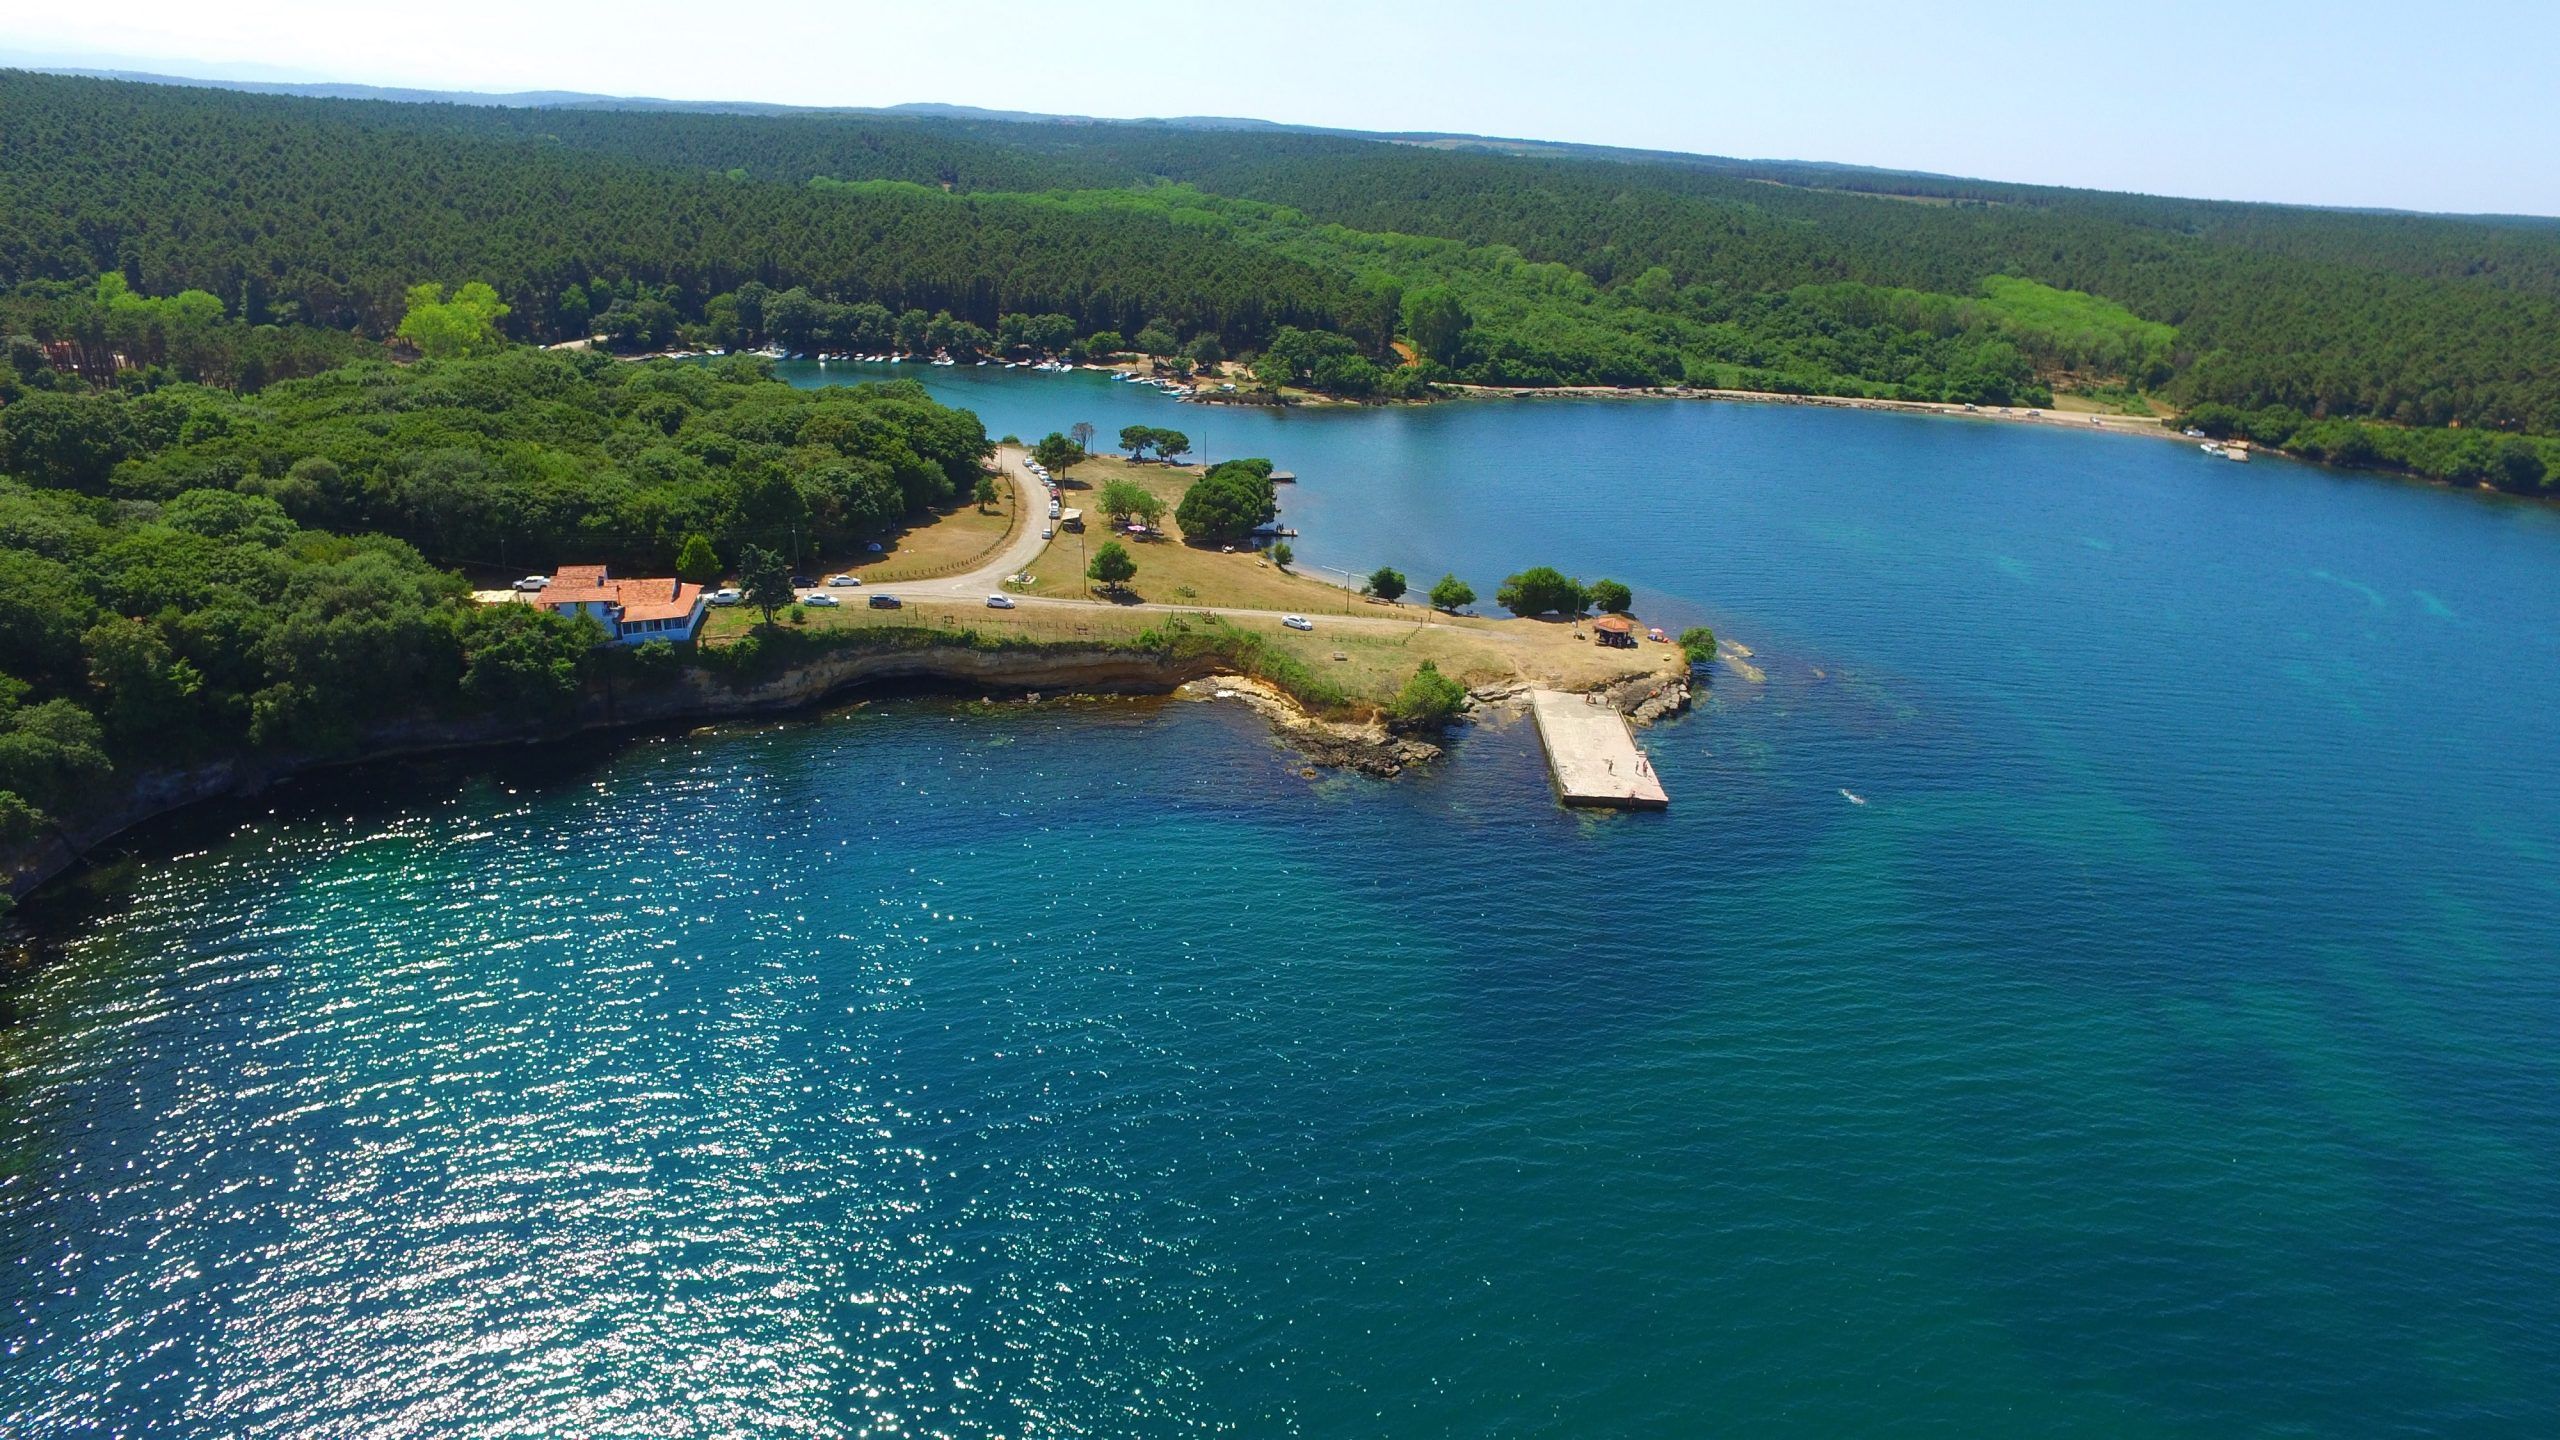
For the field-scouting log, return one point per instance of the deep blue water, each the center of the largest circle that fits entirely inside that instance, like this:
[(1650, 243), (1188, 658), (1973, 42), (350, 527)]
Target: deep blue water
[(2170, 1045)]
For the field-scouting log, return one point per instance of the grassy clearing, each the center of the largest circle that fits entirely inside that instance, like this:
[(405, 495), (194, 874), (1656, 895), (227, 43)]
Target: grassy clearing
[(1359, 654), (944, 545), (2105, 402), (1170, 570), (1347, 666)]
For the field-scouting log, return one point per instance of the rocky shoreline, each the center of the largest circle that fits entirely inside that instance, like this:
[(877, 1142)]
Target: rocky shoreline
[(696, 695), (689, 696)]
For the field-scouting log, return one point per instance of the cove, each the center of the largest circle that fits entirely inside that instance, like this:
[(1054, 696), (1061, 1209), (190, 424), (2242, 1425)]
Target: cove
[(2165, 1047)]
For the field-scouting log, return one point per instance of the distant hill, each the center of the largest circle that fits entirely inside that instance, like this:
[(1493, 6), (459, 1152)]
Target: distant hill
[(1499, 262), (931, 110)]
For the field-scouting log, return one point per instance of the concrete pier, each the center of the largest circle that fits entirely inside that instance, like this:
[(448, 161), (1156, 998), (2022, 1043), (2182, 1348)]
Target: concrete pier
[(1592, 755)]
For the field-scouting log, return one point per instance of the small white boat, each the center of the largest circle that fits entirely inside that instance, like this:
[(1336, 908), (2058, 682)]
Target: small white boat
[(2212, 448)]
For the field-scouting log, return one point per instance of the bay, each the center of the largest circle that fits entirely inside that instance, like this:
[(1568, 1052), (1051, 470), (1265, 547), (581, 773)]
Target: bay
[(2162, 1041)]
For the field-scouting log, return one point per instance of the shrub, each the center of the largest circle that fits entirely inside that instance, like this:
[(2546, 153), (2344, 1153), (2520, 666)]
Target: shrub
[(1428, 701)]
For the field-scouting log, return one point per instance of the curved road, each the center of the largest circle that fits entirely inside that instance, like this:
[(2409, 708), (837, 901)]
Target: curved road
[(1032, 498), (1025, 546)]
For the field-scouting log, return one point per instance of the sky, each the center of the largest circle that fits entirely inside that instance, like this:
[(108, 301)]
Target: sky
[(2448, 106)]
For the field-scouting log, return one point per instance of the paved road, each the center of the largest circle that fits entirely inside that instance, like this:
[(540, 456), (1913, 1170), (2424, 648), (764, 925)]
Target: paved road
[(1025, 545), (1018, 552)]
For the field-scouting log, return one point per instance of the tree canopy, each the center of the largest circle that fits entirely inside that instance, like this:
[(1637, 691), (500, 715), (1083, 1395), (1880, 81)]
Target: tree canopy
[(1112, 566), (1312, 256), (1224, 506), (447, 328), (189, 572), (1539, 589), (1056, 453)]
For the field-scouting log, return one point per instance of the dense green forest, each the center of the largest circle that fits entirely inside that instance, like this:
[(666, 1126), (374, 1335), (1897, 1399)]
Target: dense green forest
[(188, 572), (1313, 255)]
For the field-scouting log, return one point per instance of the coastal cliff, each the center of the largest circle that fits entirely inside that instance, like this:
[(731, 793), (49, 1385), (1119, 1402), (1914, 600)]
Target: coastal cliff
[(697, 693)]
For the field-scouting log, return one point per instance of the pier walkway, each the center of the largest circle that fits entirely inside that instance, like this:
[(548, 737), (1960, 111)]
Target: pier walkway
[(1592, 754)]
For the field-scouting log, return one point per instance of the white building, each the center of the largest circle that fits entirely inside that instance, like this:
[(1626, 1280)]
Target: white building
[(631, 611)]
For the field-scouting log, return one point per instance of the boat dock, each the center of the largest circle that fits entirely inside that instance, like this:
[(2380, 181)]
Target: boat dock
[(1592, 755)]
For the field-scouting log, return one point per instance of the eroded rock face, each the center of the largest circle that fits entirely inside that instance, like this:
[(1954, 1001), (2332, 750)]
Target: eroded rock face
[(1648, 698), (686, 695), (1382, 754), (1367, 747)]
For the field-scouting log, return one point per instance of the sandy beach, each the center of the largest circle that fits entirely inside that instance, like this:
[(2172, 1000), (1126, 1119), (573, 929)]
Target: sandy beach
[(2012, 414)]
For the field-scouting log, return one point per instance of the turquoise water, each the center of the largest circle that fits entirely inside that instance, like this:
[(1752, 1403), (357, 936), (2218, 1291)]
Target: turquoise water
[(2167, 1046)]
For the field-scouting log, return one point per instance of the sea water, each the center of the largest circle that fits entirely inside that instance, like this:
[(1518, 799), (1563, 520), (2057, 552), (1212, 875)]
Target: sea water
[(2169, 1045)]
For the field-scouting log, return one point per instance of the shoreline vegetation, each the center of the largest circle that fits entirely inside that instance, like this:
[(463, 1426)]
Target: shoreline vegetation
[(1340, 266), (249, 452), (1200, 662), (203, 590)]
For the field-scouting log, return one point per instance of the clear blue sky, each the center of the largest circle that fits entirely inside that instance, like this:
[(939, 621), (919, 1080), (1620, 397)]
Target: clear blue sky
[(2443, 106)]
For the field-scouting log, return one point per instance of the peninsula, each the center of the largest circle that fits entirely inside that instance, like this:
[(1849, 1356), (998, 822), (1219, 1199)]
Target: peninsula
[(210, 591)]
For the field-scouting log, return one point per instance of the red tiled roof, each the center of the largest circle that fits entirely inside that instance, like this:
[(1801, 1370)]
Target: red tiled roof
[(657, 598)]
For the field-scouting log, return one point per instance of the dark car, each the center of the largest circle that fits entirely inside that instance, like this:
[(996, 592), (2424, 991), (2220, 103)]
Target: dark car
[(802, 582), (884, 602)]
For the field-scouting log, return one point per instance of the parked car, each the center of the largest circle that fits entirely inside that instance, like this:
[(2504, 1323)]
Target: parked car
[(999, 602), (1297, 622), (820, 597), (844, 579), (533, 582), (884, 602), (727, 595), (1048, 532), (802, 581)]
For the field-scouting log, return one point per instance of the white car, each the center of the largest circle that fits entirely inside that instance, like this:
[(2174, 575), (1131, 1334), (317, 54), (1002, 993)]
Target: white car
[(819, 597), (1297, 622), (727, 595), (999, 602), (533, 582), (1048, 532), (844, 579)]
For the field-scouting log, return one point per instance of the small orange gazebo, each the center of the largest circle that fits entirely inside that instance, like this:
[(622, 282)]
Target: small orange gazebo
[(1615, 630)]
